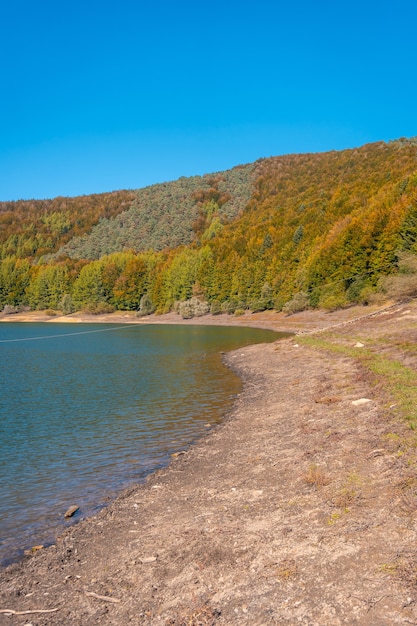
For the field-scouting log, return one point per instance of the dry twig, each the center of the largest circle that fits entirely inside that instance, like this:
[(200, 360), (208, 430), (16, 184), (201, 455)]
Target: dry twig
[(12, 612), (105, 598)]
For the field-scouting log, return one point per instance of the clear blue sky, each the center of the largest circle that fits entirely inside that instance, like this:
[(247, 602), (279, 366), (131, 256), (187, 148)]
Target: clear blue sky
[(98, 95)]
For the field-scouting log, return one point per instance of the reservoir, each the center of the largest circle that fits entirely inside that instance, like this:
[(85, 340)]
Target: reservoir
[(87, 410)]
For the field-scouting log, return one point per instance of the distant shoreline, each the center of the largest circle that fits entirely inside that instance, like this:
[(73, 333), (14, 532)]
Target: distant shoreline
[(302, 322), (268, 320)]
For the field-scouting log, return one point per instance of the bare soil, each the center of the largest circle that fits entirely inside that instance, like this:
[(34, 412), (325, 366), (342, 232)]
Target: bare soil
[(299, 509)]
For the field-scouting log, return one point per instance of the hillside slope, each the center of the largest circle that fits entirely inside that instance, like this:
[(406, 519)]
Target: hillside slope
[(32, 228), (315, 219), (165, 215), (293, 231)]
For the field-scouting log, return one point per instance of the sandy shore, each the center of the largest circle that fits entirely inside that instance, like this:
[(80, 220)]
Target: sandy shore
[(290, 512)]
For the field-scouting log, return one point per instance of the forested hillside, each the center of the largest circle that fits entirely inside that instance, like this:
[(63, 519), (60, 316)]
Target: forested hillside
[(166, 215), (292, 231), (32, 228)]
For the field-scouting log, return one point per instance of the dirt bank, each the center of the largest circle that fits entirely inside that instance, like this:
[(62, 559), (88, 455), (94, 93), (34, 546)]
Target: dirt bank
[(299, 509)]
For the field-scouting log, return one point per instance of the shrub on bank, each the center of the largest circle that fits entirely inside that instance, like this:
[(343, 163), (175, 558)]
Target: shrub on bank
[(146, 306), (299, 302), (194, 307)]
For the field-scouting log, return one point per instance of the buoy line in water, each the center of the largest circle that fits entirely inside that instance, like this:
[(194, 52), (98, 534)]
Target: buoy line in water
[(84, 332)]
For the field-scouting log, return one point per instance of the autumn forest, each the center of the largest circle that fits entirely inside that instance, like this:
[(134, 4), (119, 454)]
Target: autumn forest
[(285, 233)]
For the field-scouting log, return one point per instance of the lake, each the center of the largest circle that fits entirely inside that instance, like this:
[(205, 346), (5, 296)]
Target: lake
[(89, 409)]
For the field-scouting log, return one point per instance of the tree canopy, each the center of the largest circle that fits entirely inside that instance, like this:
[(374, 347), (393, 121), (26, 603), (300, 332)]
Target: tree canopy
[(318, 229)]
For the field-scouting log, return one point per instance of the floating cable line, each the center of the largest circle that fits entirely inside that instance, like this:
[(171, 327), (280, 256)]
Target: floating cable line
[(84, 332)]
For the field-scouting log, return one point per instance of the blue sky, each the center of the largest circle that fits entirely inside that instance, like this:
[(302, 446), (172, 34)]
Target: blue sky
[(102, 95)]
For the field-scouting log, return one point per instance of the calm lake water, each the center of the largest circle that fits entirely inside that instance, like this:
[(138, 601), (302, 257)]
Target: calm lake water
[(88, 410)]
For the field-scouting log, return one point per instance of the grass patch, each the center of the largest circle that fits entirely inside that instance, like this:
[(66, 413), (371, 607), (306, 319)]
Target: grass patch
[(402, 385), (324, 344), (316, 477), (287, 569), (334, 517), (345, 497), (398, 381)]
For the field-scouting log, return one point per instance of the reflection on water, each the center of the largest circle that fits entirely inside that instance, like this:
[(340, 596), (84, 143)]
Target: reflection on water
[(82, 416)]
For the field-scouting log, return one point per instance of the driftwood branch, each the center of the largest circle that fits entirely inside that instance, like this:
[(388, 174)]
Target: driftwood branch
[(105, 598), (12, 612)]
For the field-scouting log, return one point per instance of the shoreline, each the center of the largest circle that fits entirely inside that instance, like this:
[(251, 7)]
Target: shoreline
[(241, 510), (305, 321), (89, 509)]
